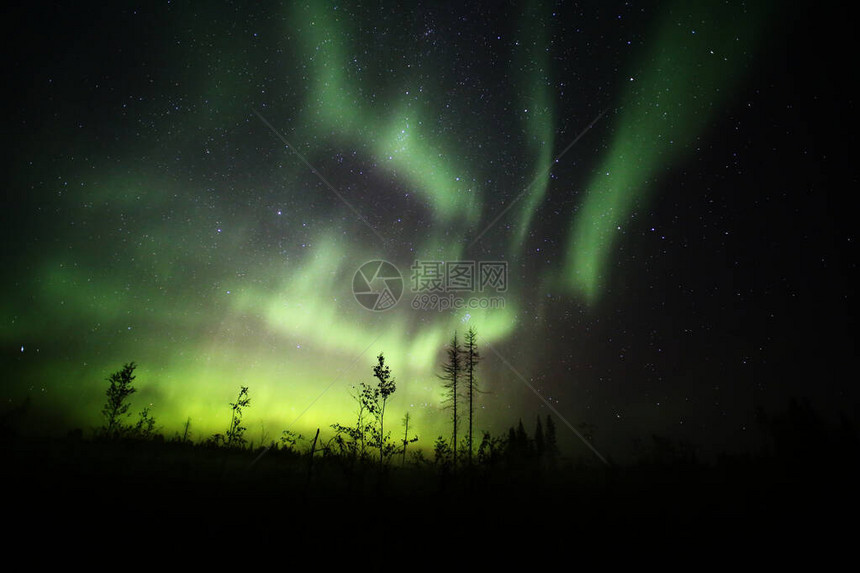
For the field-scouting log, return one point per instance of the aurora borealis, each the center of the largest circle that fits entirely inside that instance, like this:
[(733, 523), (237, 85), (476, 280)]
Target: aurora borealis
[(194, 186)]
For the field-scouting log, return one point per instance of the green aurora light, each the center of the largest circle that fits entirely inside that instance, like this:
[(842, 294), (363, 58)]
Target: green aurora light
[(151, 261), (700, 50)]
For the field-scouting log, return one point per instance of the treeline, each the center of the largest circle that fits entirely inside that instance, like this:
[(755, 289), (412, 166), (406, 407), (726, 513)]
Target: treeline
[(514, 449), (369, 439), (796, 438)]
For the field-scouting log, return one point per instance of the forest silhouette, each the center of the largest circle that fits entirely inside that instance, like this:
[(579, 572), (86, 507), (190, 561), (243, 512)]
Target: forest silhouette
[(368, 467)]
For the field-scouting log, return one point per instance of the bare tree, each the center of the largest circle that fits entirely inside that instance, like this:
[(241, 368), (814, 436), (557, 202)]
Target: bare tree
[(471, 357), (452, 371), (406, 439)]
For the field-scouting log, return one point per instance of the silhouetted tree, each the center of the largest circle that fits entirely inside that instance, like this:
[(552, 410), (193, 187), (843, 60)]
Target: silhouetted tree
[(550, 443), (490, 450), (116, 408), (352, 440), (235, 435), (523, 440), (539, 442), (290, 439), (463, 449), (186, 432), (370, 422), (145, 426), (406, 439), (386, 388), (518, 449), (471, 356), (442, 454), (452, 371)]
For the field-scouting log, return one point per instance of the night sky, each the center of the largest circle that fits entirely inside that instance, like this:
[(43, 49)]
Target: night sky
[(194, 186)]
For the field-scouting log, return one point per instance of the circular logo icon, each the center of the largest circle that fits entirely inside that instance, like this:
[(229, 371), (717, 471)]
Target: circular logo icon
[(377, 285)]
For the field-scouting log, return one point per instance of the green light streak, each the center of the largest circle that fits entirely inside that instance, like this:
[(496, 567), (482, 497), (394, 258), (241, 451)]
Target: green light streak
[(405, 148), (532, 59), (399, 140), (700, 51), (146, 274), (329, 89)]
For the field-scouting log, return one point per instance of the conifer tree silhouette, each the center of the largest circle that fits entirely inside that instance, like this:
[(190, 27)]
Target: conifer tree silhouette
[(452, 371), (116, 408), (550, 443), (471, 359), (540, 444)]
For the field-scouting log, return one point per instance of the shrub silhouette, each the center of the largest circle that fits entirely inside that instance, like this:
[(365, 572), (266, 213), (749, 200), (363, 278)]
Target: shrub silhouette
[(145, 427), (369, 433), (235, 436)]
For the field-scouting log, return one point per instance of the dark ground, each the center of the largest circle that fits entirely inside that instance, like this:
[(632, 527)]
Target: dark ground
[(73, 488)]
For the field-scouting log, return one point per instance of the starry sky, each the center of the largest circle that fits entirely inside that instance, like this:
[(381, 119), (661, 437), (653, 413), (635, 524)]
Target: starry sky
[(193, 186)]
